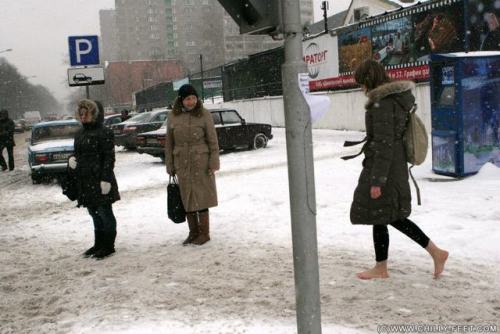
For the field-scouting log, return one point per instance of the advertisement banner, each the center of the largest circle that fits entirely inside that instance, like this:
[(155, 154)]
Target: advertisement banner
[(391, 42), (415, 73), (320, 55), (439, 29), (484, 25), (354, 47)]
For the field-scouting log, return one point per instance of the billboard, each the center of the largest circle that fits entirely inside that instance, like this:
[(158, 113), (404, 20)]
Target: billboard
[(320, 55), (440, 29), (392, 42), (354, 47), (484, 25)]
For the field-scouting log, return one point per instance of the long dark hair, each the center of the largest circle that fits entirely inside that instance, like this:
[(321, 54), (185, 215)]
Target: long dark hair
[(371, 74)]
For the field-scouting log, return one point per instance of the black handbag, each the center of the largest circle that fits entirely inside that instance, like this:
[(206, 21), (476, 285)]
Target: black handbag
[(69, 185), (176, 212)]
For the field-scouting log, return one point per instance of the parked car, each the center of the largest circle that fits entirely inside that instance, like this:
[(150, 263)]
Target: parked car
[(126, 132), (109, 120), (153, 142), (20, 125), (50, 146), (232, 132)]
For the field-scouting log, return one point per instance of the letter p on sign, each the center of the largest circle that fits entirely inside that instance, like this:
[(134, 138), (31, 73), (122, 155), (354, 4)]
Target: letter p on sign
[(83, 50)]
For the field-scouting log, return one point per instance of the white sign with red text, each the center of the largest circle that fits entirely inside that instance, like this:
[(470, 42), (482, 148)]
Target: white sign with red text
[(321, 57)]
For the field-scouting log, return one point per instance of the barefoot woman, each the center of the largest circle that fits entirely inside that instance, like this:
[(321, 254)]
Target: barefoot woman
[(383, 196)]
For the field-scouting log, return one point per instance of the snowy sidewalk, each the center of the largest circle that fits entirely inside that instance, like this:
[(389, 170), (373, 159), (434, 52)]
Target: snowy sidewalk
[(242, 280)]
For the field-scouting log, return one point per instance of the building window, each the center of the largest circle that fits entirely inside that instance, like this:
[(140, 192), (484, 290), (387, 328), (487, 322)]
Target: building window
[(361, 13)]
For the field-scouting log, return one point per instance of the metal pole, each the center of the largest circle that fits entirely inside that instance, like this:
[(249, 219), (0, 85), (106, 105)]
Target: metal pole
[(324, 6), (201, 69), (87, 91), (300, 176)]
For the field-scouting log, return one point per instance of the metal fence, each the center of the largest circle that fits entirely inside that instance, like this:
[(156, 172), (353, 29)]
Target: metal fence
[(256, 76)]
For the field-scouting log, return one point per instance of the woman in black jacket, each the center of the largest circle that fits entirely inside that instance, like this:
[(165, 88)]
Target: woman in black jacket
[(93, 164), (383, 196)]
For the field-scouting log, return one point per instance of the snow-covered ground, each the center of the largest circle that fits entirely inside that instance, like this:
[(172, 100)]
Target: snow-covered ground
[(242, 280)]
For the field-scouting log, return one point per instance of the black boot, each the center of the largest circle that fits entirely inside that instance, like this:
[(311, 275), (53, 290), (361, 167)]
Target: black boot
[(108, 245), (97, 244)]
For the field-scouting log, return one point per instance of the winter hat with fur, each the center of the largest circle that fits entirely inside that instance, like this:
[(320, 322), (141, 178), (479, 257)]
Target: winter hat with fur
[(90, 105), (187, 90)]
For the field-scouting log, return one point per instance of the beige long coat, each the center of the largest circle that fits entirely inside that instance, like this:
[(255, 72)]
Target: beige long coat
[(191, 149)]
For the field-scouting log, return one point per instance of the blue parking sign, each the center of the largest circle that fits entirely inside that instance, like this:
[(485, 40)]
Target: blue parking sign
[(83, 50)]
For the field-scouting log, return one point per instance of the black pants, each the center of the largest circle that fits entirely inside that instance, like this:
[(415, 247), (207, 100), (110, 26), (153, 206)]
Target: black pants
[(10, 153), (103, 217), (406, 226)]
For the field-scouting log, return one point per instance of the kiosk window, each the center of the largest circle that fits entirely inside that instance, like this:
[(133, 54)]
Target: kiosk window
[(447, 96)]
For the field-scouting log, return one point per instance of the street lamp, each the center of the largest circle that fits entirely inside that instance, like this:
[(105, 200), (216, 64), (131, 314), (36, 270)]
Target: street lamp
[(6, 50)]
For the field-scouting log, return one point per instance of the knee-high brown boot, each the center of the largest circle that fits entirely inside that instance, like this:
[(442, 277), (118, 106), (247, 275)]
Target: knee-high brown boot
[(204, 229), (194, 229)]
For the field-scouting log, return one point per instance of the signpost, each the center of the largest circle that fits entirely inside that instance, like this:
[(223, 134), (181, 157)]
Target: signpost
[(85, 76), (84, 51)]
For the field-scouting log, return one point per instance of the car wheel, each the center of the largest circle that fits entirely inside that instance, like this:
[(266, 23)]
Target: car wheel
[(259, 141), (36, 179)]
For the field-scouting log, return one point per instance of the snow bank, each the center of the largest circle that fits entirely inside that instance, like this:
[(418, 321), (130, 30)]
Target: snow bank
[(242, 280)]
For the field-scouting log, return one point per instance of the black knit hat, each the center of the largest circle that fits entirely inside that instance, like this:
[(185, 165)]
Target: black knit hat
[(187, 90)]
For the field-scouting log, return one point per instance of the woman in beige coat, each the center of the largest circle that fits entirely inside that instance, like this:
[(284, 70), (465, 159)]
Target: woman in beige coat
[(192, 154)]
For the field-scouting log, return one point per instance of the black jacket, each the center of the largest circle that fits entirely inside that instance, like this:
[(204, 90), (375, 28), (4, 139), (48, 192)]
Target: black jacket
[(385, 158), (7, 127), (95, 156)]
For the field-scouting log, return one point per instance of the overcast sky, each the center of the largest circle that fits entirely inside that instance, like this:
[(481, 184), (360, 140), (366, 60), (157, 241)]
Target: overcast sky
[(38, 30)]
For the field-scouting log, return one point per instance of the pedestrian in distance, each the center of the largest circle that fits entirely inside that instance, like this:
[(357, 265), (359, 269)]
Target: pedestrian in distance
[(7, 128), (192, 154), (382, 196), (93, 164), (124, 115)]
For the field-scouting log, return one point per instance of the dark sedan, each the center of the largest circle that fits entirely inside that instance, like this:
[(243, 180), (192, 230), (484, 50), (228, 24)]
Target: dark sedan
[(109, 120), (126, 132), (232, 132)]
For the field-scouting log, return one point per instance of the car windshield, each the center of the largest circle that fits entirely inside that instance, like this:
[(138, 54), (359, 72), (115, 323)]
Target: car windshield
[(139, 118), (46, 133)]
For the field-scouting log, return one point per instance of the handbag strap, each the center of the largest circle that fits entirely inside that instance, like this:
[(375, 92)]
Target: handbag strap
[(354, 143), (173, 179)]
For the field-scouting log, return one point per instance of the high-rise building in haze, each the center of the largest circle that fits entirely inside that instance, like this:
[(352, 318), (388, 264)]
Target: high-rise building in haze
[(109, 35), (180, 29)]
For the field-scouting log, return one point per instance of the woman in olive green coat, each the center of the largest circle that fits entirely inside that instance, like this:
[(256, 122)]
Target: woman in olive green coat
[(383, 196), (192, 154)]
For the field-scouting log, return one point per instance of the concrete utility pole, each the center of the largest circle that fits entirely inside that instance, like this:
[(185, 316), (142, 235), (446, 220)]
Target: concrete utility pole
[(300, 175)]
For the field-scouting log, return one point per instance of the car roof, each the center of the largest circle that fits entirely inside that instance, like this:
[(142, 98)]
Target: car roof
[(221, 110), (55, 123), (112, 115)]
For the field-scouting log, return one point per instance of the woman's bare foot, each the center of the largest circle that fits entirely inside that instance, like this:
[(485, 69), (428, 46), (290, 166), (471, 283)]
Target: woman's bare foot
[(379, 271), (439, 256)]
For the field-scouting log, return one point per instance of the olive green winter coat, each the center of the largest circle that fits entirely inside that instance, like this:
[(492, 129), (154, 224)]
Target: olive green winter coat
[(385, 159), (191, 149)]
